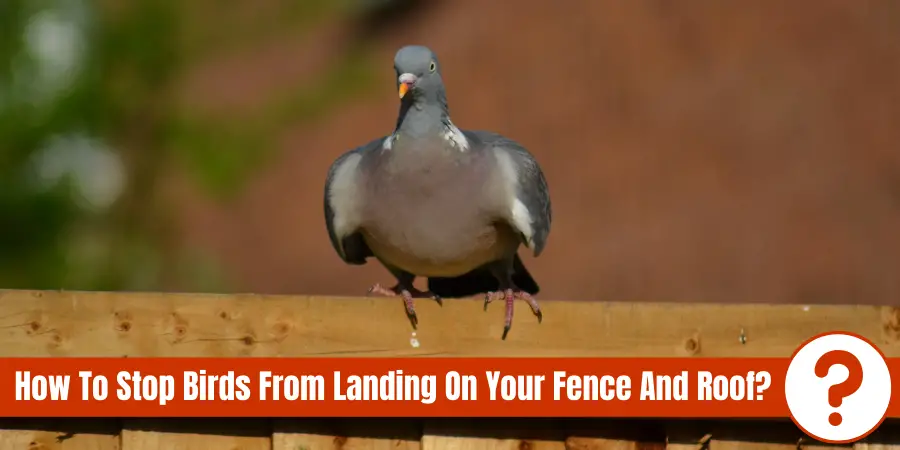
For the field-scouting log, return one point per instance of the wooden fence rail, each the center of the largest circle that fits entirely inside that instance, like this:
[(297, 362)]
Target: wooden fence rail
[(415, 434), (41, 323)]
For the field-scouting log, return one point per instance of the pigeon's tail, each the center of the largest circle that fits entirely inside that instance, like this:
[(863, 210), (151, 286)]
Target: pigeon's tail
[(481, 281)]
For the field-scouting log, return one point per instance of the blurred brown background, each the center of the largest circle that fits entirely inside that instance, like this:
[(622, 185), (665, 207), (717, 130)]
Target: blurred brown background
[(695, 151)]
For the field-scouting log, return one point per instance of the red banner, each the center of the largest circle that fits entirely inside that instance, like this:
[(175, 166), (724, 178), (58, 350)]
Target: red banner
[(389, 387), (382, 387), (837, 387)]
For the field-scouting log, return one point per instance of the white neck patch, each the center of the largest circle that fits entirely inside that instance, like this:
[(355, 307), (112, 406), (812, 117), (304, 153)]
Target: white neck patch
[(456, 137), (453, 135), (388, 142)]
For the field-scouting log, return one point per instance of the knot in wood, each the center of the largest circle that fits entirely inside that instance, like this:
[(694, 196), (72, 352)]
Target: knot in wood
[(179, 327), (123, 320), (692, 345), (891, 323), (180, 332), (280, 329)]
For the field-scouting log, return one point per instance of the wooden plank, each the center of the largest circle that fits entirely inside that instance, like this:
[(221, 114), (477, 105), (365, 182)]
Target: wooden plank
[(292, 441), (686, 436), (823, 446), (885, 437), (430, 442), (147, 440), (810, 444), (740, 435), (41, 323), (345, 434), (54, 440), (467, 443), (585, 443), (804, 444), (59, 434), (182, 434), (683, 446), (494, 433), (744, 445)]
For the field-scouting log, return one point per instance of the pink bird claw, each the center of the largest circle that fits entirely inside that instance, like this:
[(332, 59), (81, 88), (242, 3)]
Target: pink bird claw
[(408, 296), (377, 288), (510, 296)]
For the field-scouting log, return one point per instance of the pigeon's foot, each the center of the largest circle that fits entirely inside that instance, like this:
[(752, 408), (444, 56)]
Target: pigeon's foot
[(510, 296), (408, 295)]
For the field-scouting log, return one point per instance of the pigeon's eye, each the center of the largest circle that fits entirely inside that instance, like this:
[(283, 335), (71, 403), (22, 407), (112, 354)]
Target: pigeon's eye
[(432, 67)]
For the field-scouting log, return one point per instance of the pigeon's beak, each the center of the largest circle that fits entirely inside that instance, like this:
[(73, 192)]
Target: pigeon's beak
[(407, 81)]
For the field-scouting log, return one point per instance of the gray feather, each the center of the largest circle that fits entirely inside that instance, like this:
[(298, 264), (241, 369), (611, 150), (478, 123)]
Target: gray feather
[(355, 250), (533, 191)]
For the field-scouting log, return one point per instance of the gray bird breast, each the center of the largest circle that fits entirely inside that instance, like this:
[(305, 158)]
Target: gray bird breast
[(432, 210)]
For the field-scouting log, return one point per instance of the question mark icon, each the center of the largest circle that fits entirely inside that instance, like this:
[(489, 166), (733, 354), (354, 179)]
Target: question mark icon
[(842, 412), (846, 388)]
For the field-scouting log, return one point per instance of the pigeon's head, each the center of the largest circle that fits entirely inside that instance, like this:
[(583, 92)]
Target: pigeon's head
[(418, 71)]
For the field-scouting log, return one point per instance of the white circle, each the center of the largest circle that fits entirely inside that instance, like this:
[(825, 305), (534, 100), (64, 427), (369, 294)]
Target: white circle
[(807, 394)]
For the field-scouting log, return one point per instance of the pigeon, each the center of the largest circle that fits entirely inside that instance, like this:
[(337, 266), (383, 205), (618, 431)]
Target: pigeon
[(431, 200)]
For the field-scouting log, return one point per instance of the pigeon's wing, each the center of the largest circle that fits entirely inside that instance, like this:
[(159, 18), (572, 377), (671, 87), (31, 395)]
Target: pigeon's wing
[(342, 205), (529, 211)]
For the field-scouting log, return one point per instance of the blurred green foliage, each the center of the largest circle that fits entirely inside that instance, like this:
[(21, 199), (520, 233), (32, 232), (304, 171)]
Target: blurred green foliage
[(80, 79), (32, 221)]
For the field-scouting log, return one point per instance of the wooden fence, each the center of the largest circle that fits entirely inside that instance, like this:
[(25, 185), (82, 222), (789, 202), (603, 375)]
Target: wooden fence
[(45, 323)]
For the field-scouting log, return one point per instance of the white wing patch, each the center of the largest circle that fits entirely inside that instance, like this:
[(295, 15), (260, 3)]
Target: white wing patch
[(388, 142), (456, 137), (343, 198), (521, 218), (518, 214)]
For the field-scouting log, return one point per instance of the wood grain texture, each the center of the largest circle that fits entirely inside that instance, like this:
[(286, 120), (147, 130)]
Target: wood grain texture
[(740, 435), (779, 434), (181, 434), (593, 443), (474, 433), (815, 445), (292, 441), (686, 436), (55, 434), (683, 446), (480, 443), (42, 323), (55, 440), (743, 445), (153, 440), (346, 434), (406, 434), (805, 444)]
